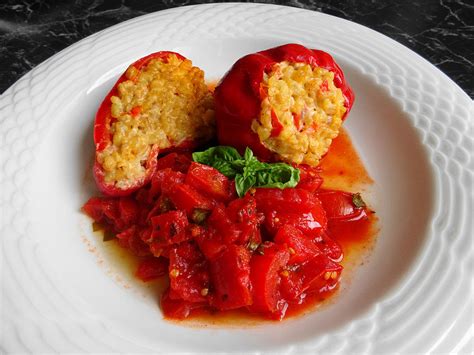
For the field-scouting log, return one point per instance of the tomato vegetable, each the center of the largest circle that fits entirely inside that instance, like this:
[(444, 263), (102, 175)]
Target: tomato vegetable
[(264, 251), (340, 206)]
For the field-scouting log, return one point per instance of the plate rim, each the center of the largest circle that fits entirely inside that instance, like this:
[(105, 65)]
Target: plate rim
[(14, 92)]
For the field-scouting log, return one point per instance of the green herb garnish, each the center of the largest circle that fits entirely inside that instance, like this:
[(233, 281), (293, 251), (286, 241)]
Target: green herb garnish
[(200, 215), (247, 170), (108, 235), (358, 201), (97, 227)]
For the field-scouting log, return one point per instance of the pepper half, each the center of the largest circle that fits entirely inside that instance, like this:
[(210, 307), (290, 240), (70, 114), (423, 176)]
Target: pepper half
[(285, 103), (160, 103)]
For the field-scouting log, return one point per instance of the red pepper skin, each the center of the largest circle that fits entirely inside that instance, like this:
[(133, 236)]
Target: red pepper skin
[(238, 96), (102, 136)]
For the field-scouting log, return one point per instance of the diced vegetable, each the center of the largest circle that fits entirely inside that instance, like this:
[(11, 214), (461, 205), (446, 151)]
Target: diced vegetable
[(230, 277), (152, 268), (265, 268)]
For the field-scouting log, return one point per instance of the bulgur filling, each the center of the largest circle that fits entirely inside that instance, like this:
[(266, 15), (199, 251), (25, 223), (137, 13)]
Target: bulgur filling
[(301, 113), (161, 106)]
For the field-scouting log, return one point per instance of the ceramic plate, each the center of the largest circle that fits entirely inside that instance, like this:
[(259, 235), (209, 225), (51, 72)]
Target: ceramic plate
[(411, 125)]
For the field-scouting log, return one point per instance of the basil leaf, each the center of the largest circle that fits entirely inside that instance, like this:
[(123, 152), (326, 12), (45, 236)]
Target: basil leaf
[(216, 153), (244, 183), (222, 158), (247, 170), (278, 175)]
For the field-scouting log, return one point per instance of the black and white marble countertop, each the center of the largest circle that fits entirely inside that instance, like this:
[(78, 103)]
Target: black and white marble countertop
[(441, 31)]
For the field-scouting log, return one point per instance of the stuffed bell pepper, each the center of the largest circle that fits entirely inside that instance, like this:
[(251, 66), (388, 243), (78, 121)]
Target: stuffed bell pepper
[(286, 103), (160, 103)]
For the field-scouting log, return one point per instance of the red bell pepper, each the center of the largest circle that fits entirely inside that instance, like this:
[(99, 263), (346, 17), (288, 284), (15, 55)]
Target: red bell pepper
[(238, 96), (103, 136)]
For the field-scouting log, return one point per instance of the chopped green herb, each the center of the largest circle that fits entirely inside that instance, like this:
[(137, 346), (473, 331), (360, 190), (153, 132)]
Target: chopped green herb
[(252, 246), (96, 227), (200, 215), (358, 201), (108, 235), (248, 171)]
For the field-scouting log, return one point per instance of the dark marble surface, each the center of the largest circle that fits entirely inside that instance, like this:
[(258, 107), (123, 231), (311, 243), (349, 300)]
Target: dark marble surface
[(441, 31)]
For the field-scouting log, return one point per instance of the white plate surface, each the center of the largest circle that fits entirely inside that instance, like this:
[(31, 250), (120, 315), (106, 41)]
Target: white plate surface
[(412, 126)]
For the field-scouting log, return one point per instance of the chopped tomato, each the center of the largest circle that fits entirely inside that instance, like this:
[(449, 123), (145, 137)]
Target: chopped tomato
[(188, 272), (294, 200), (164, 181), (265, 268), (169, 228), (210, 243), (318, 274), (188, 223), (184, 197), (339, 205), (116, 214), (152, 268), (329, 246), (209, 182), (312, 222), (174, 161), (300, 247), (230, 278), (176, 308), (310, 178), (130, 239)]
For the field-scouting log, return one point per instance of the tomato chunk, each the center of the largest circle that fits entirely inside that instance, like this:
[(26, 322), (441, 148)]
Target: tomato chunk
[(310, 180), (329, 247), (152, 268), (209, 182), (340, 207), (318, 274), (230, 277), (176, 308), (243, 213), (130, 239), (300, 247), (295, 200), (311, 222), (174, 161), (184, 197), (169, 228), (265, 277), (116, 214), (189, 275), (210, 243), (163, 181)]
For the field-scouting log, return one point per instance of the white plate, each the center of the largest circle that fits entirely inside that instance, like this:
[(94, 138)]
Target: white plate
[(411, 125)]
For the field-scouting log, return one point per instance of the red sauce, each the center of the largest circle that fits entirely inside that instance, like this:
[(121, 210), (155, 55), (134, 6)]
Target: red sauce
[(342, 167)]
